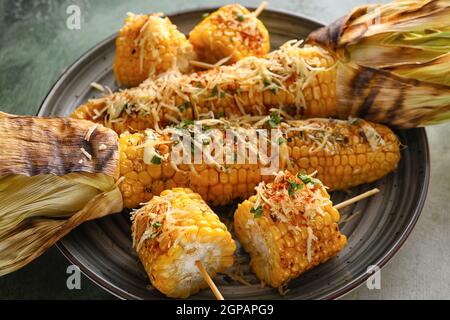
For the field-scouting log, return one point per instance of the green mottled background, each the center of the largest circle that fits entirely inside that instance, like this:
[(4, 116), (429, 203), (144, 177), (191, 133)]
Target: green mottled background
[(35, 48)]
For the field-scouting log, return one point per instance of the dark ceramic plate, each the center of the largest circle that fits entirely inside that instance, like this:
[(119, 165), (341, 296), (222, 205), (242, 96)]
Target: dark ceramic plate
[(380, 225)]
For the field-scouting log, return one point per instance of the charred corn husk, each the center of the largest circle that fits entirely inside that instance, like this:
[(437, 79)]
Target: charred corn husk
[(301, 81), (344, 154), (148, 45), (171, 233), (232, 31), (394, 62), (54, 175), (288, 227)]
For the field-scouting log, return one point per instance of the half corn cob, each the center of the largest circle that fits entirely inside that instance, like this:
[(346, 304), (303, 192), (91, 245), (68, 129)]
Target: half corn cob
[(288, 227), (171, 233), (148, 45), (232, 31), (344, 154), (392, 71), (302, 81), (54, 175)]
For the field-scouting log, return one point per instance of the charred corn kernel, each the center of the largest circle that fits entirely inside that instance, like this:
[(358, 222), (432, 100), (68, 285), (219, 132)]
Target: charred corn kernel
[(339, 166), (252, 86), (232, 31), (171, 233), (282, 228), (148, 45)]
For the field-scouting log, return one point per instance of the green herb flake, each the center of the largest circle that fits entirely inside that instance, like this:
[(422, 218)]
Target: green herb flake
[(157, 224), (274, 120), (205, 15), (206, 142), (281, 140), (293, 186), (257, 212), (156, 160), (220, 114), (214, 91)]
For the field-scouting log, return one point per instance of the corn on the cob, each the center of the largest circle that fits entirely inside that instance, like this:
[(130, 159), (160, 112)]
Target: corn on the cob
[(344, 155), (301, 80), (148, 45), (403, 88), (171, 233), (288, 227), (232, 31)]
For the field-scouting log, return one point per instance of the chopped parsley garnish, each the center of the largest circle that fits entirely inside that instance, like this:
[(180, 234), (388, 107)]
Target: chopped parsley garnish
[(274, 120), (281, 140), (239, 16), (182, 107), (293, 186), (206, 14), (220, 114), (156, 160), (266, 82), (214, 91), (206, 142), (307, 179), (222, 94), (157, 224), (186, 123), (257, 212)]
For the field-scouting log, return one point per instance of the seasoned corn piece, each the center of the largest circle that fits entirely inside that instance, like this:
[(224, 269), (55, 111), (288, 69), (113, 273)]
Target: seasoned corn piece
[(149, 45), (232, 31), (171, 233), (288, 227)]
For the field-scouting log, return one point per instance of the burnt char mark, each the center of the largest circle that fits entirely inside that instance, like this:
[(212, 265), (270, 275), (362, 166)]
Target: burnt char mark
[(102, 161), (361, 81), (396, 106), (368, 101)]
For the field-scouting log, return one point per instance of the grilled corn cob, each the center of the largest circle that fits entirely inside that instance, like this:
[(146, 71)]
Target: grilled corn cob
[(301, 80), (288, 227), (344, 155), (402, 82), (171, 233), (232, 31), (54, 175), (148, 45)]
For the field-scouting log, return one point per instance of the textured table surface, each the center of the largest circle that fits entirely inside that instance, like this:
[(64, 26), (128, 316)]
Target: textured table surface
[(36, 46)]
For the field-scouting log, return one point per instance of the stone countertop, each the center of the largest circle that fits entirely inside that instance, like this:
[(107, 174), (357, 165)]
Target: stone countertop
[(36, 46)]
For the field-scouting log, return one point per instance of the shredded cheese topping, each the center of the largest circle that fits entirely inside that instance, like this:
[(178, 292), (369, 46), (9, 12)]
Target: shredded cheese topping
[(293, 200)]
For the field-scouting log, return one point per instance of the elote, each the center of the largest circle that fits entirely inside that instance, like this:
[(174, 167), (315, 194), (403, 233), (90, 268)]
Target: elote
[(149, 45), (290, 78), (288, 227), (231, 32), (343, 153), (171, 233)]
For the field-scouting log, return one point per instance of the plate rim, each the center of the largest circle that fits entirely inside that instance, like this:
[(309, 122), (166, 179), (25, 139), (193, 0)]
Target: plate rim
[(340, 292)]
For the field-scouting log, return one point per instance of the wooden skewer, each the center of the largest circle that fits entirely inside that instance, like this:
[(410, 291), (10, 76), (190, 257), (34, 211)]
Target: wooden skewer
[(364, 195), (260, 8), (209, 281)]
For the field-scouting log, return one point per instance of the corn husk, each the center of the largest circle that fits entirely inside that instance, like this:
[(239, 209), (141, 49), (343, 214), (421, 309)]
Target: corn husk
[(394, 62), (45, 190)]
